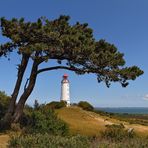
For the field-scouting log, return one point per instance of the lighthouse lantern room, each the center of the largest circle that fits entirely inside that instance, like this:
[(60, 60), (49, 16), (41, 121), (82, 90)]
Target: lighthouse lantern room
[(65, 94)]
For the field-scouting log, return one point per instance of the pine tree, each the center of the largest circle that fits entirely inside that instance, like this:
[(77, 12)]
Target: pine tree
[(46, 40)]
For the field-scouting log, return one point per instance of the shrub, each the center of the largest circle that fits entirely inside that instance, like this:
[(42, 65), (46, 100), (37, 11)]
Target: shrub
[(136, 142), (43, 141), (36, 105), (117, 133), (55, 105), (4, 102), (86, 106), (15, 127), (45, 121)]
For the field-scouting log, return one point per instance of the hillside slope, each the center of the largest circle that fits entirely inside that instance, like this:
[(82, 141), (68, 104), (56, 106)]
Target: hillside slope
[(82, 122), (89, 123)]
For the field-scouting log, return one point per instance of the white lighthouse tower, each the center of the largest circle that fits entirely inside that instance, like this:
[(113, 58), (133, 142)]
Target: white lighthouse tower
[(65, 94)]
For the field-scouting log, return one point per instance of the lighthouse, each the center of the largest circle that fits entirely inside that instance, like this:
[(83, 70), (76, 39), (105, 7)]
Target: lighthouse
[(65, 94)]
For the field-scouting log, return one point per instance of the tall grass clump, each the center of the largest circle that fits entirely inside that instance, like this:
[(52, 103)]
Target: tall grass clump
[(46, 140), (117, 133), (136, 142)]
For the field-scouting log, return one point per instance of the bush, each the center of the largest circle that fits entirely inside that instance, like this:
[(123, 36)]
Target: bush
[(36, 105), (86, 106), (15, 127), (43, 141), (4, 102), (55, 105), (117, 133), (44, 121), (136, 142)]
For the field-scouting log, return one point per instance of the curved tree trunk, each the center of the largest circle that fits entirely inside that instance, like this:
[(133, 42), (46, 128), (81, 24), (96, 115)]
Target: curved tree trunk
[(21, 71), (19, 108)]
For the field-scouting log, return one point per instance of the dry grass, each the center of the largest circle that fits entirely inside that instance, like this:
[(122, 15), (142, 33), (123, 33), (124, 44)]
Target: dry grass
[(82, 122), (89, 123)]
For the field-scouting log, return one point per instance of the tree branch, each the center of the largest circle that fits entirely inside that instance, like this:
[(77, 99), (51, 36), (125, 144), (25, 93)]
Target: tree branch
[(63, 67), (26, 84)]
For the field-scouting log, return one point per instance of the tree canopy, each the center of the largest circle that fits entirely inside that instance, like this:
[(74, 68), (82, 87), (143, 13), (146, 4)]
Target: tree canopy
[(57, 39), (72, 46)]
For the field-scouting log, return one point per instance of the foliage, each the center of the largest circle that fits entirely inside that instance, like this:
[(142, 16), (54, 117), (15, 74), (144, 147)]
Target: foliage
[(43, 141), (36, 105), (136, 142), (58, 39), (15, 127), (4, 103), (117, 133), (44, 121), (55, 105), (85, 105)]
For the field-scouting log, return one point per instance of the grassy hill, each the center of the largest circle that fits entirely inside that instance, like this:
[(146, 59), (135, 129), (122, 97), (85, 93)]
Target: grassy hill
[(82, 122), (89, 123)]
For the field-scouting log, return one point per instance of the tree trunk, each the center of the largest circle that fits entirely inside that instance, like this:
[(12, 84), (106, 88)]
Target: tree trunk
[(19, 108), (21, 71)]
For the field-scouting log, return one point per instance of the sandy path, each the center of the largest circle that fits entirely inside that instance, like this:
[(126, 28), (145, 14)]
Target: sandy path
[(107, 121), (3, 141)]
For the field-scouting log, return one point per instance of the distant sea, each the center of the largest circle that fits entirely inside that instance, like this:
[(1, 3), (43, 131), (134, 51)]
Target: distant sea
[(122, 110)]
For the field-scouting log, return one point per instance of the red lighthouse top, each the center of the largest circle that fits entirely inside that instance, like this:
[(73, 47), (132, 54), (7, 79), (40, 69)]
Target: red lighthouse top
[(65, 80), (65, 76)]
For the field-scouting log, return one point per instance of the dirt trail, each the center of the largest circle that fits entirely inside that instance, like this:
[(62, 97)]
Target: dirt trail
[(107, 121), (3, 141), (138, 128)]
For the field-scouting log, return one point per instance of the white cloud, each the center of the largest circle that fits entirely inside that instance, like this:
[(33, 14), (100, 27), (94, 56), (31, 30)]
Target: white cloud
[(146, 97), (134, 96)]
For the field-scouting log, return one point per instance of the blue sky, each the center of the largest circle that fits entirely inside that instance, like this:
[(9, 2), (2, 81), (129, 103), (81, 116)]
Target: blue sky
[(121, 22)]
